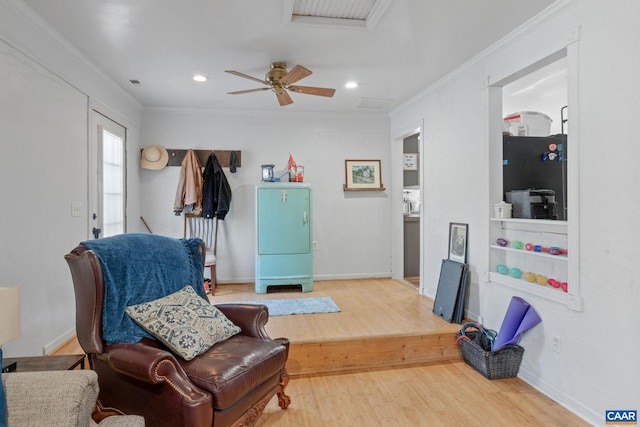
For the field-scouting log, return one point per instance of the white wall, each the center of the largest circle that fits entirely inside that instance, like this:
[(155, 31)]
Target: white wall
[(352, 229), (46, 91), (597, 367)]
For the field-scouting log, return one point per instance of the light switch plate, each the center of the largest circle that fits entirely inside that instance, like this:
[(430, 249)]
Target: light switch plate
[(76, 208)]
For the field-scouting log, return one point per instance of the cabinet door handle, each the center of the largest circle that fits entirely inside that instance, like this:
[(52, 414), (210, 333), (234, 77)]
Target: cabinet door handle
[(304, 218)]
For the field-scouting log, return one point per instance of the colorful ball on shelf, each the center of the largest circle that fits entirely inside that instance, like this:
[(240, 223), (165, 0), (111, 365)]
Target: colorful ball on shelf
[(541, 280), (553, 283), (528, 247), (529, 276), (564, 286), (515, 273), (502, 269), (517, 244), (502, 242)]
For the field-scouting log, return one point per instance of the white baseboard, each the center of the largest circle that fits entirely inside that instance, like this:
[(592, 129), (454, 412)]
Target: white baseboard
[(57, 342), (566, 401), (319, 278)]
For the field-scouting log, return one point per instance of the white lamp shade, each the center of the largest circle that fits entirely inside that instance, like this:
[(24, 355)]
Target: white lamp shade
[(9, 314)]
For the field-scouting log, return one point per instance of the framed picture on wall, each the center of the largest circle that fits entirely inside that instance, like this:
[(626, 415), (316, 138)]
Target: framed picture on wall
[(363, 175), (458, 234)]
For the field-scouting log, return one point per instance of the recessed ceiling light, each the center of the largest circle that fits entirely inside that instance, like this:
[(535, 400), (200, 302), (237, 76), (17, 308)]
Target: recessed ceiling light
[(200, 77), (351, 85)]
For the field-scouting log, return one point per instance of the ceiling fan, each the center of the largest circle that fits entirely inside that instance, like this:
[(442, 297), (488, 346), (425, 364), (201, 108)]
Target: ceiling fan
[(280, 81)]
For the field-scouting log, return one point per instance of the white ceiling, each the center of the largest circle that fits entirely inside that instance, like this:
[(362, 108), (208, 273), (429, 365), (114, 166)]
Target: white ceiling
[(402, 47)]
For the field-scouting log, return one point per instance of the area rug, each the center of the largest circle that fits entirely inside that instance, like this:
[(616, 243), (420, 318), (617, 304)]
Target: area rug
[(283, 307)]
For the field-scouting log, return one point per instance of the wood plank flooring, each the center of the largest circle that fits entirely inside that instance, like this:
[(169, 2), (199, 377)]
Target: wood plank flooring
[(379, 311), (382, 323), (368, 307)]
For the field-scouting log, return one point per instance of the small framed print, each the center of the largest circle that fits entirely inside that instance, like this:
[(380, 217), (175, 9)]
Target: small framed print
[(458, 242), (410, 161), (363, 175)]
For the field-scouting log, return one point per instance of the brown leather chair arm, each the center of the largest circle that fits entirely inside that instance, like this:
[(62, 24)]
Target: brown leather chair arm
[(183, 404), (251, 318), (154, 366)]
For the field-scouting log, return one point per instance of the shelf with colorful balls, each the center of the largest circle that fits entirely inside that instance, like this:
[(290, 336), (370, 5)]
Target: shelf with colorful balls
[(530, 255), (554, 252)]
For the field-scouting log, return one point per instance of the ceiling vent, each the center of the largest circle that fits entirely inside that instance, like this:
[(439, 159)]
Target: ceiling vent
[(331, 13), (374, 103)]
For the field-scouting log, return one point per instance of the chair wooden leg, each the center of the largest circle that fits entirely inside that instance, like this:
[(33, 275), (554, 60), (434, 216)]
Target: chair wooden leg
[(283, 399), (212, 268)]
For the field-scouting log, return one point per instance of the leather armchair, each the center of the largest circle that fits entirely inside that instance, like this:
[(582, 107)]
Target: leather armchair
[(228, 385)]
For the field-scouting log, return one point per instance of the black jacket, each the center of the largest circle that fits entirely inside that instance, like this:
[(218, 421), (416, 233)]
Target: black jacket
[(216, 192)]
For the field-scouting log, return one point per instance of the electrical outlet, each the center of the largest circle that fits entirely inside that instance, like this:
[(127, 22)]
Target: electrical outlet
[(315, 245), (556, 344)]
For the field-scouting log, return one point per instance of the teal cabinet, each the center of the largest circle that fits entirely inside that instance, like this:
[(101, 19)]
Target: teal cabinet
[(283, 236)]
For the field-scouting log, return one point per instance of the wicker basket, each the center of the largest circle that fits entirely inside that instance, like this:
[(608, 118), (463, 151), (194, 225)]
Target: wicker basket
[(503, 363)]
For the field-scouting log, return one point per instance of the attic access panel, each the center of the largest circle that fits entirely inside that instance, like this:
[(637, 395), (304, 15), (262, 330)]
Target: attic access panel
[(345, 13)]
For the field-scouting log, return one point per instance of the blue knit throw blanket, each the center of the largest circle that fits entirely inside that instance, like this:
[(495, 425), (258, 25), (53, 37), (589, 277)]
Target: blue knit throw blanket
[(138, 268)]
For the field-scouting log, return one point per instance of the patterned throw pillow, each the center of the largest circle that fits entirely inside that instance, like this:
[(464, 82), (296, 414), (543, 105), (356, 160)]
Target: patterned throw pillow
[(184, 322)]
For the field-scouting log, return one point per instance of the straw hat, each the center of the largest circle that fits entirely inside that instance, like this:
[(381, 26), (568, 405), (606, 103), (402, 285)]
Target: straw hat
[(154, 157)]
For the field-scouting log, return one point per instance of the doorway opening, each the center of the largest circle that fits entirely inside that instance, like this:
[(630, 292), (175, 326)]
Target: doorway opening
[(411, 198)]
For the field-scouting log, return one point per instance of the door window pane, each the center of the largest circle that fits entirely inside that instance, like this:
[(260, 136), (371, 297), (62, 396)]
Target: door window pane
[(112, 183)]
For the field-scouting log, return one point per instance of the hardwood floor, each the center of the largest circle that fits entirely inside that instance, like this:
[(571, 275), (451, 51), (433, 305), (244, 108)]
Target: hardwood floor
[(398, 378)]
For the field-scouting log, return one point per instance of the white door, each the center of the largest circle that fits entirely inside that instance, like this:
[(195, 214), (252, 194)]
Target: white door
[(107, 176)]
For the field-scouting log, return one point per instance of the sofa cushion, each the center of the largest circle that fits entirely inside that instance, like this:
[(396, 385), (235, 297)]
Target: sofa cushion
[(184, 322), (231, 369)]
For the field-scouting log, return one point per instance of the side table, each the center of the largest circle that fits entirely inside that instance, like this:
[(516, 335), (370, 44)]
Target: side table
[(46, 363)]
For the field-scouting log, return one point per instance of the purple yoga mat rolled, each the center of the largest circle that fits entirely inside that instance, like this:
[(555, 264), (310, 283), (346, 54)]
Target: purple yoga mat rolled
[(520, 316)]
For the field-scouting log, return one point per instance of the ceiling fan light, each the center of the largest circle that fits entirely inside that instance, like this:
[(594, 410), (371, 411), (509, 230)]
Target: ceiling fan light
[(200, 77), (351, 85)]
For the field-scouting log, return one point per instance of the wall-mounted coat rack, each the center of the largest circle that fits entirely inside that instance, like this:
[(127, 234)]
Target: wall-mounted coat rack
[(223, 156)]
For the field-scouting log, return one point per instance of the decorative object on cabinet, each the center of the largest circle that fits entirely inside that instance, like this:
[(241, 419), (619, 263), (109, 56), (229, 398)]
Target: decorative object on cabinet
[(224, 157), (363, 175), (283, 236), (458, 242)]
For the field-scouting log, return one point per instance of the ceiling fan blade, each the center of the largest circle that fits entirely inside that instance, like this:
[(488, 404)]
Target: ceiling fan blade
[(284, 98), (240, 92), (320, 91), (239, 74), (296, 73)]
